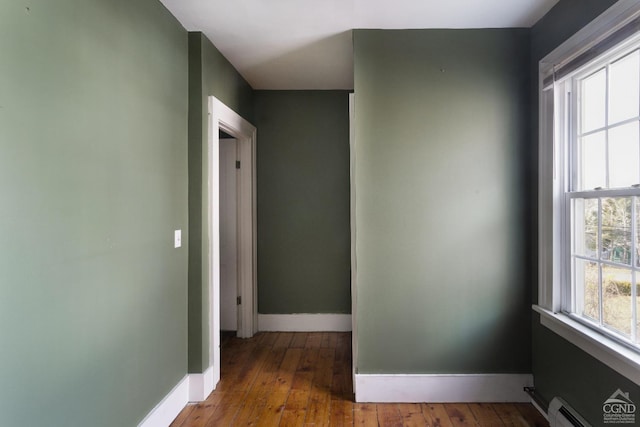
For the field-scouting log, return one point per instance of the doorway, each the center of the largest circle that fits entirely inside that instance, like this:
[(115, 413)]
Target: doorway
[(225, 120), (228, 236)]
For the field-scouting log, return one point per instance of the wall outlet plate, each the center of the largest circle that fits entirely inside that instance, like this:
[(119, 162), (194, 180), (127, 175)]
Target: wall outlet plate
[(177, 238)]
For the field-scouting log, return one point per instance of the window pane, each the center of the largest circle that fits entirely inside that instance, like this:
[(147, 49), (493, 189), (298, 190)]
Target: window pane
[(593, 101), (637, 201), (624, 156), (586, 287), (616, 295), (592, 161), (585, 227), (616, 229), (624, 88)]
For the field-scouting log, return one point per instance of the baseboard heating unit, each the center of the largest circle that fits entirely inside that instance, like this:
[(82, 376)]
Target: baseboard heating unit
[(562, 415)]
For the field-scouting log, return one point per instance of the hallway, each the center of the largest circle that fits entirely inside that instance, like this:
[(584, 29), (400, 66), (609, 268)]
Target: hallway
[(304, 379)]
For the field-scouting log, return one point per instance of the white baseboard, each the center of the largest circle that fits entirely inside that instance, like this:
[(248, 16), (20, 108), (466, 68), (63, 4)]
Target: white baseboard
[(304, 322), (192, 388), (443, 388), (168, 409), (201, 385), (542, 411)]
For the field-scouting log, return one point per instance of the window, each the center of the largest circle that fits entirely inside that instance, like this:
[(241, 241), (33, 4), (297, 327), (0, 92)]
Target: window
[(589, 199), (603, 142)]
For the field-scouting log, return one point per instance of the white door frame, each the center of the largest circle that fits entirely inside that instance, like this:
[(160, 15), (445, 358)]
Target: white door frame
[(224, 118), (354, 263)]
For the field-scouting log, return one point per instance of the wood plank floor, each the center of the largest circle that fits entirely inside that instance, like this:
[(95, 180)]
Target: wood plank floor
[(304, 379)]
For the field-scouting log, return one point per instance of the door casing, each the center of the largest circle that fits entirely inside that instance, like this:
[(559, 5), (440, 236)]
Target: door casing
[(224, 118)]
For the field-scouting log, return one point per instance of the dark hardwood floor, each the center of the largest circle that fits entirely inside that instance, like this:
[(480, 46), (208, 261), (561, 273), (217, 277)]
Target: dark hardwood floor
[(304, 379)]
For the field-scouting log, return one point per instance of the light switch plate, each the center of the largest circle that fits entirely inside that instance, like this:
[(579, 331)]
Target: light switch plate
[(177, 238)]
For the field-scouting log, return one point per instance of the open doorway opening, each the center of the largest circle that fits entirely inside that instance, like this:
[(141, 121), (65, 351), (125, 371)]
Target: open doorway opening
[(229, 294), (224, 121)]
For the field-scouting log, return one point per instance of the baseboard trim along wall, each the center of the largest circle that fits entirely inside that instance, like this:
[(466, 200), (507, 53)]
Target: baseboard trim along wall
[(304, 322), (168, 409), (192, 388), (201, 385), (442, 388), (542, 411)]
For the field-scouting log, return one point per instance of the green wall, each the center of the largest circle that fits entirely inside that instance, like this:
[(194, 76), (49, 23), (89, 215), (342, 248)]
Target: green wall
[(303, 201), (442, 118), (560, 368), (209, 74), (93, 177)]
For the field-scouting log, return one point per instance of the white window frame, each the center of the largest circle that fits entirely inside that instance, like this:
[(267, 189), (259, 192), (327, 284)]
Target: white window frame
[(554, 223)]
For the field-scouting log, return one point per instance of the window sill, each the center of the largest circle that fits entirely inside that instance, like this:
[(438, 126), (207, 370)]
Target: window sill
[(616, 356)]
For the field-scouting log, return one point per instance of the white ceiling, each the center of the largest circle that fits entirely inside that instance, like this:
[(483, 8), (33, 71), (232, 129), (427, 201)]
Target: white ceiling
[(307, 44)]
